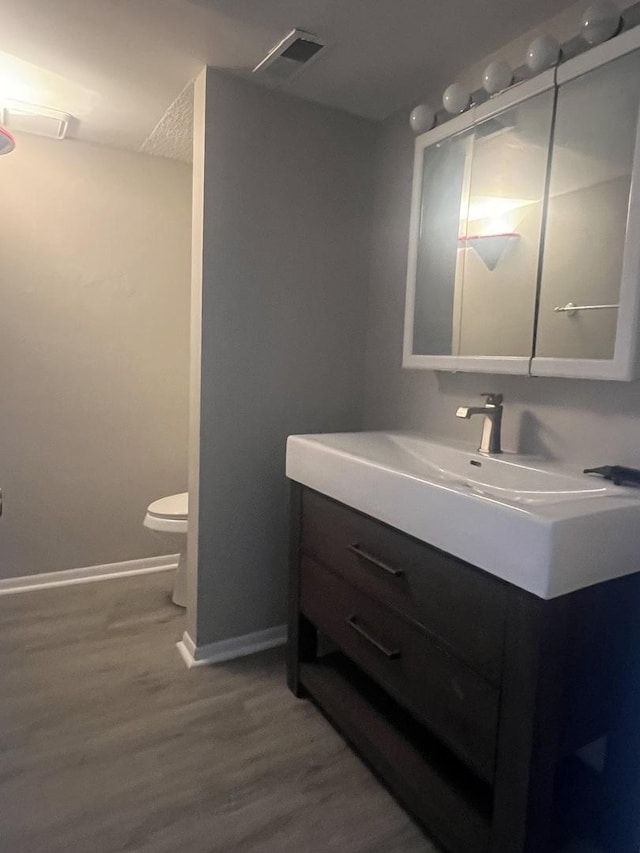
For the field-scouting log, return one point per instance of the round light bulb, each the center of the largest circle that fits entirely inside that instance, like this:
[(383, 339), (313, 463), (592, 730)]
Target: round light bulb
[(497, 77), (600, 21), (422, 118), (543, 53), (456, 99)]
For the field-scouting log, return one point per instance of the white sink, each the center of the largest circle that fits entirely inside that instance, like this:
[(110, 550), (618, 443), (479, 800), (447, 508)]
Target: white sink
[(507, 477), (545, 528)]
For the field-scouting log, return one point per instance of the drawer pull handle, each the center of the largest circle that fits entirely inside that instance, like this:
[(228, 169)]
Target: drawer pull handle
[(357, 550), (392, 654)]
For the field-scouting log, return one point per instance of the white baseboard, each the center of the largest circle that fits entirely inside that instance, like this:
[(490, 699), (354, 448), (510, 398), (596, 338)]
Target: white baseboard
[(236, 647), (69, 577)]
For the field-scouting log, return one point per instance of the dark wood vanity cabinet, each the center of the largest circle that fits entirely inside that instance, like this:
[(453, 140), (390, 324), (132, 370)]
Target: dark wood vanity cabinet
[(471, 699)]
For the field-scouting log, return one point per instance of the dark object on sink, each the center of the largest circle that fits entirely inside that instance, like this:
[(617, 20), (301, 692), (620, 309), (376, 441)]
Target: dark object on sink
[(620, 475)]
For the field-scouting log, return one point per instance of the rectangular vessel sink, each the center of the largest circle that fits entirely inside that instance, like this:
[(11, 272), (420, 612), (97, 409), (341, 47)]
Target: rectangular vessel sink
[(538, 525)]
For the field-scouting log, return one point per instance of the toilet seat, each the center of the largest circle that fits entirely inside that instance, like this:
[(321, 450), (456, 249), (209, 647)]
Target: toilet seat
[(169, 515)]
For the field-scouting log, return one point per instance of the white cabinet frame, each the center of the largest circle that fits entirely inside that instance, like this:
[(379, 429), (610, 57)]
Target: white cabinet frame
[(625, 364)]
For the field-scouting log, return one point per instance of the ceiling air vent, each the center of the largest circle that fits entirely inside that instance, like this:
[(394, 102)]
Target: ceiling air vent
[(295, 52)]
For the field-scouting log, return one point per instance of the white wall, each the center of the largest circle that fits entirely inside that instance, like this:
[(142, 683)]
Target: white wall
[(582, 422), (286, 211), (94, 307)]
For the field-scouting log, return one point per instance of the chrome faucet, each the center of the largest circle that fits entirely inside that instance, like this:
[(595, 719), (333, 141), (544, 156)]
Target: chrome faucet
[(492, 411)]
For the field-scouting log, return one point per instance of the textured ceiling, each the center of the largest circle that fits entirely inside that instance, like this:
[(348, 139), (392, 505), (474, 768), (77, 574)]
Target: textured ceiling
[(136, 56), (173, 135)]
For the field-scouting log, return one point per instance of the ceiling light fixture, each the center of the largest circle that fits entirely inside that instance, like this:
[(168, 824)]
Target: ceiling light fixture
[(30, 118), (7, 142)]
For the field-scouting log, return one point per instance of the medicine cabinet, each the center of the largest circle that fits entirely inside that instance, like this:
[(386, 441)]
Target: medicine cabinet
[(524, 252)]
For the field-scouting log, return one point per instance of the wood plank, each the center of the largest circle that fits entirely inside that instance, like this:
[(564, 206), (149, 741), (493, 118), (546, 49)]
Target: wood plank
[(108, 743)]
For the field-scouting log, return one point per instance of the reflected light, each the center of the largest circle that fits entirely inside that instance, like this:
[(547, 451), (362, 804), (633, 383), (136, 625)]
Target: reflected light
[(498, 225), (492, 207), (489, 215)]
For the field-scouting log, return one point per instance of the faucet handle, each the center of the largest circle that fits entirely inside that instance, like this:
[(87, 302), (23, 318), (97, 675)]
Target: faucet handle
[(493, 399)]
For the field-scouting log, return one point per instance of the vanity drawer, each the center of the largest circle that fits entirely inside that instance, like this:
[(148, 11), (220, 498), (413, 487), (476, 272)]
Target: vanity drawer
[(458, 706), (462, 606)]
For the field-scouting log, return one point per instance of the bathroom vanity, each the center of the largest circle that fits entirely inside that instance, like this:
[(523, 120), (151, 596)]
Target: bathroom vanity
[(472, 686), (471, 621)]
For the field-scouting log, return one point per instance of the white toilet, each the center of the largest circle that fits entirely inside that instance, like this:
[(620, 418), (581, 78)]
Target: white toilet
[(168, 517)]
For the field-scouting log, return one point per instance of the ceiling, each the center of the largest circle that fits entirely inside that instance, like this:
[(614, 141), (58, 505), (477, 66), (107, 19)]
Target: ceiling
[(130, 60)]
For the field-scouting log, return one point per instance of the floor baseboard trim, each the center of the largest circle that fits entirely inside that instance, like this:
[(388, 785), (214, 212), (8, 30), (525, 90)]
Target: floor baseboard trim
[(236, 647), (89, 574)]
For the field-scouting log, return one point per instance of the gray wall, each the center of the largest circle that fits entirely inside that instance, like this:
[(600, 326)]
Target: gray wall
[(582, 422), (94, 312), (285, 268)]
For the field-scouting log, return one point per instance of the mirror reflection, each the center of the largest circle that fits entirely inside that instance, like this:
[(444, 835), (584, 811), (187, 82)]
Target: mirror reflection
[(592, 163), (481, 216)]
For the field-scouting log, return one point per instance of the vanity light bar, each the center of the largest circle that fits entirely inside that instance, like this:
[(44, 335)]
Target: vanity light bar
[(457, 99)]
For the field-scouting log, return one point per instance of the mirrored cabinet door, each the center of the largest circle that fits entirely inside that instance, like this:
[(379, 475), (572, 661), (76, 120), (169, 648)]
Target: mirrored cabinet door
[(589, 280), (524, 251), (476, 225), (446, 168), (498, 246)]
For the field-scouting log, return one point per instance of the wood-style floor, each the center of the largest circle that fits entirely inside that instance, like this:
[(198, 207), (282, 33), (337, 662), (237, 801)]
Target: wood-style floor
[(108, 743)]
